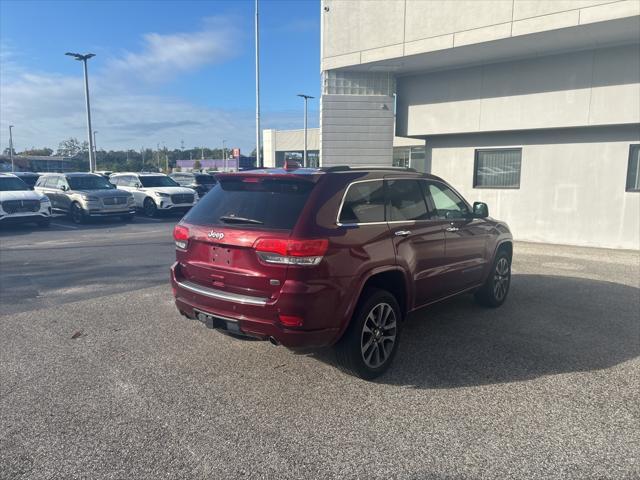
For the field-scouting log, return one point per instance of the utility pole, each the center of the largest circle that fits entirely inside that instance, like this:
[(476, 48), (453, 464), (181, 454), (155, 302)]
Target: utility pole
[(158, 155), (166, 158), (95, 149), (13, 168), (224, 155), (83, 59), (257, 35), (305, 163)]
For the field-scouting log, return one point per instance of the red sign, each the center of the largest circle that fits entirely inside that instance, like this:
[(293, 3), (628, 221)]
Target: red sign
[(236, 153)]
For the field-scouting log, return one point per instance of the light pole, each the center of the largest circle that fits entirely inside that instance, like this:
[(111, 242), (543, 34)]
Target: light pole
[(95, 149), (306, 98), (258, 157), (83, 59), (11, 147), (224, 155)]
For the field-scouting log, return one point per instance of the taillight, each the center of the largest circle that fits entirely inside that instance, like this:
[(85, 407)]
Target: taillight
[(181, 236), (286, 251)]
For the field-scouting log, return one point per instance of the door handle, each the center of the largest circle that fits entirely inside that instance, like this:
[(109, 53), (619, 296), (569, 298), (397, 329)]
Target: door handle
[(403, 233), (452, 229)]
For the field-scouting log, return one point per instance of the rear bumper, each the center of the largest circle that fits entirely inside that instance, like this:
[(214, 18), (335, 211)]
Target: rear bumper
[(256, 317)]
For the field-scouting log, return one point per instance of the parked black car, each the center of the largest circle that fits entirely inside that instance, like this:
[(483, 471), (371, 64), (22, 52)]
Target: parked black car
[(200, 182)]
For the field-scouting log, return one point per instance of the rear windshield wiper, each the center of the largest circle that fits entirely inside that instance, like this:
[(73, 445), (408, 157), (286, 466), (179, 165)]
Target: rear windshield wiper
[(234, 219)]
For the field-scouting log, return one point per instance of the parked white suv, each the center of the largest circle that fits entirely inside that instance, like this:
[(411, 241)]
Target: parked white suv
[(155, 192), (18, 203)]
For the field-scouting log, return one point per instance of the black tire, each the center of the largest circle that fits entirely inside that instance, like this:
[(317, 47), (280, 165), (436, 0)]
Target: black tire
[(495, 289), (352, 350), (150, 209), (44, 223), (127, 218), (77, 214)]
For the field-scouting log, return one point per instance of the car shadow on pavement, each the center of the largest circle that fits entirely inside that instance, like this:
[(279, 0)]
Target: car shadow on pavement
[(548, 325)]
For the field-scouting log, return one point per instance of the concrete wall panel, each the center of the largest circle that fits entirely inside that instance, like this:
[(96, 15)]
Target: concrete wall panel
[(572, 186), (535, 8), (591, 87), (615, 97), (430, 18)]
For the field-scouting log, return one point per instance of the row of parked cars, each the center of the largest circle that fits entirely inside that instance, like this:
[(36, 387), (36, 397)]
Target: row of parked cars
[(32, 197)]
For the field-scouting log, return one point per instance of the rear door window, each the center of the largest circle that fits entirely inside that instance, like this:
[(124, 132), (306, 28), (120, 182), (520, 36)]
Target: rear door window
[(405, 201), (250, 202), (363, 203)]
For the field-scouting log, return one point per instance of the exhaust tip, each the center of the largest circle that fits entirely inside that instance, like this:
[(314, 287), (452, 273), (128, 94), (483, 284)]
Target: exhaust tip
[(273, 341)]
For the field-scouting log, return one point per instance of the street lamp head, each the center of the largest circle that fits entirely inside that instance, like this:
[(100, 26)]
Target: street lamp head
[(79, 56), (307, 97)]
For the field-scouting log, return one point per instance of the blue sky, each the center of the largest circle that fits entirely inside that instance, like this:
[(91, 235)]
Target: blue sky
[(164, 71)]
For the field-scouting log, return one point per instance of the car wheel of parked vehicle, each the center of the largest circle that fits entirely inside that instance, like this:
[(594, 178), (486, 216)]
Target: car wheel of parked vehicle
[(368, 346), (127, 218), (494, 291), (44, 223), (76, 213), (150, 208)]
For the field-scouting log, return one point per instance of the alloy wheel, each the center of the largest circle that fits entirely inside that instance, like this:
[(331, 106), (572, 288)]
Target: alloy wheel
[(76, 213), (501, 278), (378, 335)]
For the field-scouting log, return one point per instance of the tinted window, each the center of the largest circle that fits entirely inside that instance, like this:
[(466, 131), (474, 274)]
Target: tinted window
[(89, 182), (114, 180), (12, 184), (447, 204), (30, 180), (405, 201), (497, 168), (157, 181), (205, 179), (363, 203), (270, 203)]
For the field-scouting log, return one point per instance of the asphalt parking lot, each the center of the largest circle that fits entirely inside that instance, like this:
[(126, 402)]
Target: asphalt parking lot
[(101, 378)]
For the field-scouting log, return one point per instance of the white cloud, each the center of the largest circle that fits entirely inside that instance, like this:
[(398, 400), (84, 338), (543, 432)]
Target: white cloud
[(164, 56), (47, 108)]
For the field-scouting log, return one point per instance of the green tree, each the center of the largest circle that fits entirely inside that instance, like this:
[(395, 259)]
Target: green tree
[(70, 147), (41, 152)]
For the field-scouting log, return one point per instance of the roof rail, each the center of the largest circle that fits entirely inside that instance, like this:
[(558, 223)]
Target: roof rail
[(347, 168)]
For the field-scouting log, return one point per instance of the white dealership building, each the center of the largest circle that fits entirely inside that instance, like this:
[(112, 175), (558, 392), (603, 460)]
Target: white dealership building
[(532, 106)]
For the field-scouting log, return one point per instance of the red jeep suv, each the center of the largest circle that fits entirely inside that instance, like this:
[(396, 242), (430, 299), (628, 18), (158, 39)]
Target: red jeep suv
[(334, 256)]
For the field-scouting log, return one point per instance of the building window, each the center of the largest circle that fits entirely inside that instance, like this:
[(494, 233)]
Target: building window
[(402, 157), (408, 156), (497, 168), (633, 169), (337, 82)]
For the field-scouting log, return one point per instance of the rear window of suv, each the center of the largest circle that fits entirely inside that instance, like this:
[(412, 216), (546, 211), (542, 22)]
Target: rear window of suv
[(250, 202)]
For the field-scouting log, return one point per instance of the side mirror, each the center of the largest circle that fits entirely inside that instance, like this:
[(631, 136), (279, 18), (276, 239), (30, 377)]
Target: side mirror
[(63, 188), (138, 185), (480, 210)]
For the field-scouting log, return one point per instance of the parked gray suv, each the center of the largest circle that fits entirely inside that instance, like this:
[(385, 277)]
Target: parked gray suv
[(85, 195)]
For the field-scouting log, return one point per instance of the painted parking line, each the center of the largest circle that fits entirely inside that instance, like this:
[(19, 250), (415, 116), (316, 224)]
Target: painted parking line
[(72, 227)]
